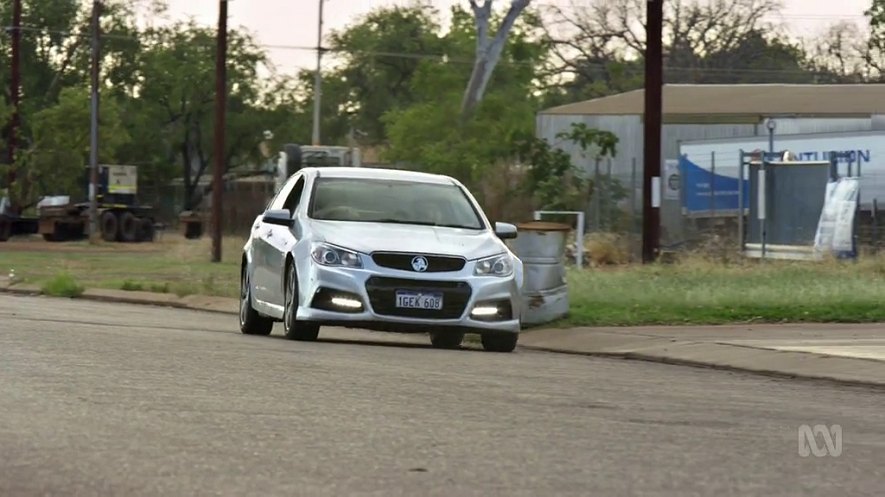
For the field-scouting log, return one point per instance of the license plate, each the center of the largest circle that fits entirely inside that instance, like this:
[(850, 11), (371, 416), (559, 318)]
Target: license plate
[(417, 300)]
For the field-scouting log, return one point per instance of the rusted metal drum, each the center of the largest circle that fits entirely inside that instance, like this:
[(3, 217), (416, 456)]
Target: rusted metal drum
[(541, 247)]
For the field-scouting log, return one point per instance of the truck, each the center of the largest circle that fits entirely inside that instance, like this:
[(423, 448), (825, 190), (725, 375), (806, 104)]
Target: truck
[(290, 160), (120, 216)]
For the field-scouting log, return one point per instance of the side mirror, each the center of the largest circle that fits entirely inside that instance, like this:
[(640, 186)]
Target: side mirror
[(279, 217), (505, 231)]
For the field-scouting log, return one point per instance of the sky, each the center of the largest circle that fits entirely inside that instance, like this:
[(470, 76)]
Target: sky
[(294, 22)]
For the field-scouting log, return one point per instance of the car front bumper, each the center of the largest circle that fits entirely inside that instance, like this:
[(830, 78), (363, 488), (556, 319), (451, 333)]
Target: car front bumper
[(328, 295)]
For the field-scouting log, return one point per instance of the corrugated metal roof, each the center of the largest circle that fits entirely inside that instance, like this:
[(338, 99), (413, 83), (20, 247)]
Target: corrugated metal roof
[(741, 100)]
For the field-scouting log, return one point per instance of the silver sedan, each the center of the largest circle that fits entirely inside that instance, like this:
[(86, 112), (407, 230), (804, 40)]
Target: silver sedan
[(380, 249)]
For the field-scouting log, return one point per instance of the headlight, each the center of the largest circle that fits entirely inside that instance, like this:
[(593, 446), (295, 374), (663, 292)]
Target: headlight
[(329, 255), (498, 265)]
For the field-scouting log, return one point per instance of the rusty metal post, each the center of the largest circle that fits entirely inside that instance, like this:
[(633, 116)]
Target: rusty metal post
[(93, 131), (651, 204), (15, 94), (220, 108)]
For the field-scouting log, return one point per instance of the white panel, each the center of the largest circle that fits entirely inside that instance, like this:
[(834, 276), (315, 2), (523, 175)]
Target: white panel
[(760, 197), (656, 192)]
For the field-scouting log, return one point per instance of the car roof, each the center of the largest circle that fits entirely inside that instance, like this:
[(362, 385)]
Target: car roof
[(380, 173)]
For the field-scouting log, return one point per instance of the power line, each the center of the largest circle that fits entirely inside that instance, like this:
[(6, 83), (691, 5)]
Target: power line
[(466, 60)]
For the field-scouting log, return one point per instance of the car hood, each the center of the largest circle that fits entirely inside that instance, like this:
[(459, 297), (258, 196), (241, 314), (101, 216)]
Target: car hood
[(375, 237)]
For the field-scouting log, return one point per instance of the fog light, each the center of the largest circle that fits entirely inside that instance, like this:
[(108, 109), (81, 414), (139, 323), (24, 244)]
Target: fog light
[(485, 311), (331, 300), (346, 302)]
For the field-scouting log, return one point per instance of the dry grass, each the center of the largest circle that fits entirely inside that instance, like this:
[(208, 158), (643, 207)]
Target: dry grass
[(172, 264)]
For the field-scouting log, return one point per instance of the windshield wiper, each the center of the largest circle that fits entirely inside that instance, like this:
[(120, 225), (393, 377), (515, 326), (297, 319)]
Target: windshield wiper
[(422, 223), (400, 221)]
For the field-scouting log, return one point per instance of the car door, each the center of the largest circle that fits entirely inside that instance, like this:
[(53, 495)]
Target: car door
[(278, 240), (262, 248)]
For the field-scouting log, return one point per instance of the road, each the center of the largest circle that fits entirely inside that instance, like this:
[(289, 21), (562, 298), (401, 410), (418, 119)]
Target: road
[(110, 399)]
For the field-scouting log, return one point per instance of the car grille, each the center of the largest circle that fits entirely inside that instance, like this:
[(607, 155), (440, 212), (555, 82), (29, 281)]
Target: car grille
[(403, 261), (382, 297)]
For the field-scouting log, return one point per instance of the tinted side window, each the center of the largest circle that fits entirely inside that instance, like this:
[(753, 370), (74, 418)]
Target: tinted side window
[(294, 197), (283, 195)]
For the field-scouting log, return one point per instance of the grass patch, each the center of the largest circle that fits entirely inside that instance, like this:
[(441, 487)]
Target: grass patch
[(691, 291), (62, 285), (173, 265), (704, 292)]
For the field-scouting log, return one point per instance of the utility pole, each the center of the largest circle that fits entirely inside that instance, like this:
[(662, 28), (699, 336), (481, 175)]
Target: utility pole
[(15, 93), (318, 79), (220, 108), (651, 178), (93, 147)]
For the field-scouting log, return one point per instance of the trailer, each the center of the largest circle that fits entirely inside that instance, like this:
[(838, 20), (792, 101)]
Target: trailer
[(120, 217), (708, 173), (13, 224)]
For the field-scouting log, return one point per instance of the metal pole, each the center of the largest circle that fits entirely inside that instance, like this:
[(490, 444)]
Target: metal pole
[(93, 147), (741, 203), (875, 225), (763, 186), (597, 191), (652, 142), (15, 94), (220, 108), (633, 194), (318, 79), (609, 218), (713, 185)]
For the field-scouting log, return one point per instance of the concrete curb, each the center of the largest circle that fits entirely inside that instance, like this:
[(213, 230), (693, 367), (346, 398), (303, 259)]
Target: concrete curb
[(666, 350), (711, 364), (135, 298)]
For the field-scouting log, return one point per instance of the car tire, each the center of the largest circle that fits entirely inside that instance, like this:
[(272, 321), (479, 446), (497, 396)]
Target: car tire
[(499, 342), (294, 329), (446, 339), (251, 323)]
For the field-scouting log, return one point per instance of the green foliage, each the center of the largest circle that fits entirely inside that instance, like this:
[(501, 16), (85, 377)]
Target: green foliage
[(876, 14), (429, 134), (157, 102), (552, 178), (177, 100), (702, 292), (62, 285), (59, 153), (377, 81)]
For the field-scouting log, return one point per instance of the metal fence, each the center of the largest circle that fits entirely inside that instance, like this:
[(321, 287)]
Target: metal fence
[(706, 206), (241, 202)]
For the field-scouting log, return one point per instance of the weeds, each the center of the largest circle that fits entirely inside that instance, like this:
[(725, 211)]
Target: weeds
[(63, 285)]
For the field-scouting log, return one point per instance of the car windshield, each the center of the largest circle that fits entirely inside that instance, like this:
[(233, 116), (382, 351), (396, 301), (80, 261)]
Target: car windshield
[(402, 202)]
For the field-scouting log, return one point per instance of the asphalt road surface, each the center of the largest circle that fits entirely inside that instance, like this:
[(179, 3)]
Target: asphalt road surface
[(104, 399)]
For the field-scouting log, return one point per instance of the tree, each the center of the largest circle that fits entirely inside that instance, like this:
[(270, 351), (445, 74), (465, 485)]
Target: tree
[(552, 179), (488, 50), (176, 98), (381, 53), (430, 134), (875, 54), (600, 47), (839, 54), (56, 161)]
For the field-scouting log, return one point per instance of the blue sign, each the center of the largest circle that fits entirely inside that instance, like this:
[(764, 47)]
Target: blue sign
[(700, 185)]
